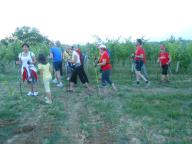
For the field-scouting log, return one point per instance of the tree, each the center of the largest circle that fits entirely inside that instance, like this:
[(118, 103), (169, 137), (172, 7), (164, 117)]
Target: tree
[(30, 35)]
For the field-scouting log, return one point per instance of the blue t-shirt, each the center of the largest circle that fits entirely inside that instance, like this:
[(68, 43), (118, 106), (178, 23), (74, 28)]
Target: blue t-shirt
[(57, 54)]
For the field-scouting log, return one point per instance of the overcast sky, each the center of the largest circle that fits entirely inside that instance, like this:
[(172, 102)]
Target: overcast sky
[(76, 21)]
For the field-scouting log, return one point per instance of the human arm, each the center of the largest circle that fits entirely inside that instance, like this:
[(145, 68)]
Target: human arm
[(74, 59), (141, 56), (169, 59), (18, 60), (104, 61)]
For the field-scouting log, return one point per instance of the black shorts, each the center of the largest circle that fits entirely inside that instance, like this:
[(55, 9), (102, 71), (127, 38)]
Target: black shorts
[(57, 65), (138, 65), (164, 69)]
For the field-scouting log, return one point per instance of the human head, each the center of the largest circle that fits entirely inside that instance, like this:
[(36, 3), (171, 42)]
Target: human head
[(25, 47), (71, 49), (162, 47), (102, 48), (78, 50), (57, 43), (42, 59), (139, 42)]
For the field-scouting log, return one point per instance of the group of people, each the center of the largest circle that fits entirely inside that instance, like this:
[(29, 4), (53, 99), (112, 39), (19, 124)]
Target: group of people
[(73, 61), (139, 63), (74, 66)]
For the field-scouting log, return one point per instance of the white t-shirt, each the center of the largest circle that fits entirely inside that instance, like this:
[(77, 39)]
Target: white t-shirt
[(74, 53), (25, 59)]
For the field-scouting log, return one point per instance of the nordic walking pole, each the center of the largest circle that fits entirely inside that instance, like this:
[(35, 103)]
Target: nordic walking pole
[(19, 76), (96, 74), (158, 71), (170, 71), (131, 59)]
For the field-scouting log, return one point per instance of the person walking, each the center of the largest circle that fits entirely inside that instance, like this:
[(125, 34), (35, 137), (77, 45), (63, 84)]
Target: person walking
[(164, 59), (139, 60), (45, 73), (104, 63), (82, 64), (56, 56), (77, 71)]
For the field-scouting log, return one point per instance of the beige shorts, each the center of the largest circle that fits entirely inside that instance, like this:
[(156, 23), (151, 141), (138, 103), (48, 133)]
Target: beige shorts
[(46, 83)]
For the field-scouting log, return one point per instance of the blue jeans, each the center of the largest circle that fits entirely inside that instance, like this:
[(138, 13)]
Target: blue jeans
[(105, 77)]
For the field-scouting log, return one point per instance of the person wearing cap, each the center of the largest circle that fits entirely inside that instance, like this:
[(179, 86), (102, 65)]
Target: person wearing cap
[(139, 60), (104, 63), (164, 59)]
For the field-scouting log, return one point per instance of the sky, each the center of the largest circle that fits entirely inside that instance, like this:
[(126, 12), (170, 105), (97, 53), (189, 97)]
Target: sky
[(78, 21)]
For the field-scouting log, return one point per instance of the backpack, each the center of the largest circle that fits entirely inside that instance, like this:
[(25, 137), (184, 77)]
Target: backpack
[(109, 52)]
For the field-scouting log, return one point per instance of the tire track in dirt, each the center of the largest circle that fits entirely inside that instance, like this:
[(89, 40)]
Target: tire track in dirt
[(25, 132), (73, 107)]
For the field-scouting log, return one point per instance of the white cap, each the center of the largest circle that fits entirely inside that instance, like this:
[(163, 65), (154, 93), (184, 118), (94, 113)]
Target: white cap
[(102, 46)]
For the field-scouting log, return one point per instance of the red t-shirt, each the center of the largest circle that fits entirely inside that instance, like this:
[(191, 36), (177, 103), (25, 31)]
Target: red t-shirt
[(164, 57), (107, 66), (140, 51)]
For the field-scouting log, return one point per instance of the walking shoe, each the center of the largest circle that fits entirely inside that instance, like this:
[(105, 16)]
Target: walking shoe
[(29, 93), (114, 87), (147, 84), (68, 78), (35, 93), (48, 101), (54, 81), (167, 81), (60, 84)]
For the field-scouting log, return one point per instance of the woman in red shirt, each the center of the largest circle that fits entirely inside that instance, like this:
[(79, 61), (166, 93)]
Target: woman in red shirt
[(164, 59), (106, 67), (139, 60)]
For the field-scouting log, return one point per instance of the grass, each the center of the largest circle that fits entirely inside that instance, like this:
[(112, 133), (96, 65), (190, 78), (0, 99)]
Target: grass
[(161, 114)]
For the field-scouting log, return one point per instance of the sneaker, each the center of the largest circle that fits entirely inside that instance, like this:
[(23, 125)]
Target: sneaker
[(29, 93), (60, 84), (35, 93), (114, 87), (167, 81), (54, 81), (48, 101), (46, 98), (147, 85)]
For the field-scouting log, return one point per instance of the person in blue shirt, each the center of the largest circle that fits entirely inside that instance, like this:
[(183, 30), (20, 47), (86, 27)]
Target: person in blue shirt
[(56, 55)]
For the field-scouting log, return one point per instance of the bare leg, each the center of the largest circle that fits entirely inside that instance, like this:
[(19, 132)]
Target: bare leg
[(48, 94), (31, 87), (58, 76), (139, 75), (71, 86)]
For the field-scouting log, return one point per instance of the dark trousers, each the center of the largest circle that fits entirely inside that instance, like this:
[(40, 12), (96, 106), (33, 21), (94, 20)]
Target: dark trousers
[(81, 73), (164, 69), (105, 77)]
